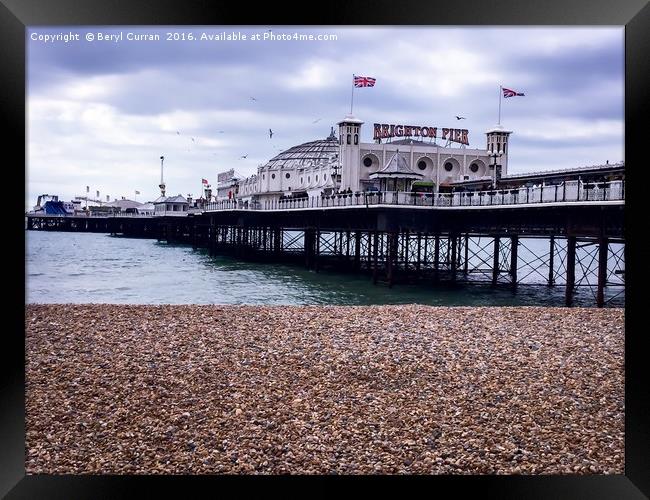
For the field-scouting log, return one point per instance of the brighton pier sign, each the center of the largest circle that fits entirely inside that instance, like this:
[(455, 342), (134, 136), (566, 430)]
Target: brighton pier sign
[(385, 131)]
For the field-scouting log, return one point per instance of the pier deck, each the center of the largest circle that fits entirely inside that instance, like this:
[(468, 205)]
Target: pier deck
[(396, 243)]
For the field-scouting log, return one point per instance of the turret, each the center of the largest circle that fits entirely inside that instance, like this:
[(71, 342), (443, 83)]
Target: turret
[(497, 144), (349, 138)]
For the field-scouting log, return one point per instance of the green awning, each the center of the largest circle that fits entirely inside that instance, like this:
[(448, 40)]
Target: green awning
[(423, 184)]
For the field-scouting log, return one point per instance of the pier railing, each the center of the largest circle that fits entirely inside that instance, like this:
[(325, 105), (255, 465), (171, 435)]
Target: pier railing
[(571, 191)]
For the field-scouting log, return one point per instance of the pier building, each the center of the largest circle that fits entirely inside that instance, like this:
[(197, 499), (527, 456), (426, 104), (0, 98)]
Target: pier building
[(399, 156), (170, 205)]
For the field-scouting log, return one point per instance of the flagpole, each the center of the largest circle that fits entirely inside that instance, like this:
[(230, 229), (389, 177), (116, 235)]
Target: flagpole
[(500, 92), (352, 95)]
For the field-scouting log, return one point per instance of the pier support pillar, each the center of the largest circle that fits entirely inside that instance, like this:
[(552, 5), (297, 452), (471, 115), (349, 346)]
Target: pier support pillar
[(603, 246), (570, 270), (357, 250), (551, 258), (436, 258), (453, 240), (375, 256), (466, 259), (308, 245), (391, 256), (495, 261), (424, 250), (277, 241), (407, 242), (316, 249), (514, 244), (417, 262), (347, 246)]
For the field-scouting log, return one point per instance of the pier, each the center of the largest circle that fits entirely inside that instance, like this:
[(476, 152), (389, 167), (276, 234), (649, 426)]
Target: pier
[(399, 237)]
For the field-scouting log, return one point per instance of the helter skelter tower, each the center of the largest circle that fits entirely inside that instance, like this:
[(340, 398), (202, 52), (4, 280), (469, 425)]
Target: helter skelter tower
[(162, 182)]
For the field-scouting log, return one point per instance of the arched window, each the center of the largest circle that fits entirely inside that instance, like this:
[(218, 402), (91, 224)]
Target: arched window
[(272, 176), (504, 148), (349, 139), (316, 178), (287, 175), (356, 138)]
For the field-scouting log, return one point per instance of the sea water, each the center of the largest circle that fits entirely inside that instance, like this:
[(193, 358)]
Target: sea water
[(66, 267)]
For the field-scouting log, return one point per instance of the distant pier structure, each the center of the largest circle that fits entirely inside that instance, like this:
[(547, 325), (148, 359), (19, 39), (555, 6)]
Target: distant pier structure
[(465, 235), (402, 208)]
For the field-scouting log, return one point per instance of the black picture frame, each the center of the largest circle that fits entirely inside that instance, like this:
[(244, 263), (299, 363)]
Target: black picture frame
[(16, 15)]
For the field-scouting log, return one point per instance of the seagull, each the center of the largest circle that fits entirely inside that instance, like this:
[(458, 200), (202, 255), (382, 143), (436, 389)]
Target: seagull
[(461, 118), (316, 121), (244, 156), (221, 131), (193, 139), (270, 134), (253, 99), (178, 133)]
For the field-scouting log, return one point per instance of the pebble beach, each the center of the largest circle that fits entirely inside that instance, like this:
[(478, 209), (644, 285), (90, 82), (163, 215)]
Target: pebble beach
[(188, 389)]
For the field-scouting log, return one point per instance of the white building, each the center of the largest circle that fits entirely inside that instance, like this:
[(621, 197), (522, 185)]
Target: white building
[(400, 155), (146, 209), (227, 185), (123, 205), (170, 205)]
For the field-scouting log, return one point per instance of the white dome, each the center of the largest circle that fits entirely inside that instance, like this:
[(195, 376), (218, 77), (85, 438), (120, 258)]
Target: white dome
[(322, 152)]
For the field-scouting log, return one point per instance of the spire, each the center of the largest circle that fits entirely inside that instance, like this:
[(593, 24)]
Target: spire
[(332, 136)]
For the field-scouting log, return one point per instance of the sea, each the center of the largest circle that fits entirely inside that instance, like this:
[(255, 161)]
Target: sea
[(83, 268)]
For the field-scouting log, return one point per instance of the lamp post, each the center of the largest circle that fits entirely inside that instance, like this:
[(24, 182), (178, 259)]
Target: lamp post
[(495, 155), (162, 182), (335, 178)]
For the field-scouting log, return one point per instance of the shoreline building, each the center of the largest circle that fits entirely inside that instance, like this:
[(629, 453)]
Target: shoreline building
[(400, 158)]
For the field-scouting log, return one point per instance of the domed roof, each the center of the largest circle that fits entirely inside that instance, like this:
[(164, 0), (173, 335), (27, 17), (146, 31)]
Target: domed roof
[(314, 153)]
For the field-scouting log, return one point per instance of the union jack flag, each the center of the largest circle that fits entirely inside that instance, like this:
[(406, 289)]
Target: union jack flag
[(510, 93), (364, 81), (204, 181)]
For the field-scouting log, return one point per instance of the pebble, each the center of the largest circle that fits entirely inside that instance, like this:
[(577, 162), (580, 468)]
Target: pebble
[(324, 390)]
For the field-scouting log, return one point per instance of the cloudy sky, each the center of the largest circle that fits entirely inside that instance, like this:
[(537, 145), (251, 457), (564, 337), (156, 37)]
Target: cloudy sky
[(101, 113)]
